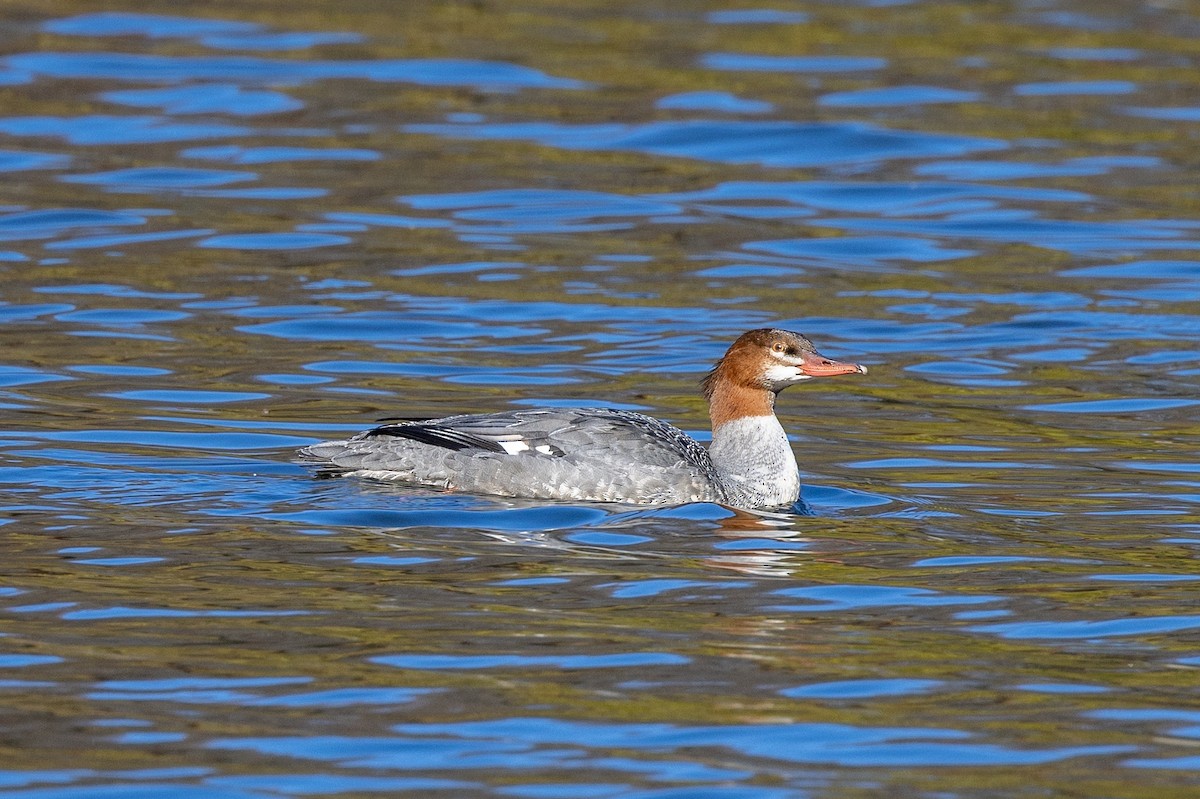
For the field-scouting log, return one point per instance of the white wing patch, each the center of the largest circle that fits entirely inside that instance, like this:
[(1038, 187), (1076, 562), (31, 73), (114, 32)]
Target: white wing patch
[(514, 445)]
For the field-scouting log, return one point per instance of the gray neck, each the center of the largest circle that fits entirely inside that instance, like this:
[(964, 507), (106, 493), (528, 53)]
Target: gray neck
[(755, 462)]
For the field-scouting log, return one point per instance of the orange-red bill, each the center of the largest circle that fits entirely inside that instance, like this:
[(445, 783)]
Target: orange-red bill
[(817, 365)]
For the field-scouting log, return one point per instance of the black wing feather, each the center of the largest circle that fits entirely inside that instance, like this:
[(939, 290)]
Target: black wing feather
[(434, 435)]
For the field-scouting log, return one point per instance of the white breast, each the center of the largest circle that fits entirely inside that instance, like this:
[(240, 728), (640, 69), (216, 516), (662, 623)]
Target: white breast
[(756, 462)]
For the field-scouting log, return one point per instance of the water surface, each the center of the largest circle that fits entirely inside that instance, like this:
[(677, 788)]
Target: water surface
[(229, 232)]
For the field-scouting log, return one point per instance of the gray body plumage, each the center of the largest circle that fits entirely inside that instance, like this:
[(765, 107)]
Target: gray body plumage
[(589, 454), (607, 455)]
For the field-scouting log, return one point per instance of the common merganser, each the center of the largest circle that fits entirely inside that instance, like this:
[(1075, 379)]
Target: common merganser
[(609, 455)]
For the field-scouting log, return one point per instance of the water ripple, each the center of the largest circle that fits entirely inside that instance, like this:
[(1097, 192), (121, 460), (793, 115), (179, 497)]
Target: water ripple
[(12, 161), (256, 71), (1071, 236), (48, 223), (1092, 629), (105, 129), (217, 33), (724, 102), (536, 743), (441, 662), (769, 143), (159, 178), (238, 154), (809, 64), (897, 96), (210, 98)]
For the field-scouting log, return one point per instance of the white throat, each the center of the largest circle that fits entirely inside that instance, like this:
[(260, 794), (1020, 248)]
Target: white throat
[(756, 462)]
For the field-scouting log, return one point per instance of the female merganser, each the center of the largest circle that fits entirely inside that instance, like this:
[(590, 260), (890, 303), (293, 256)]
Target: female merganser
[(609, 455)]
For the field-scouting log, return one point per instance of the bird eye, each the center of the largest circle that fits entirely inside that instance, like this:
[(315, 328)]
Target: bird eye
[(778, 346)]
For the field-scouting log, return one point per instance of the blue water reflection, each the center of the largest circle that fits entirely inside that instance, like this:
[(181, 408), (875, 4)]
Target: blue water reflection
[(897, 96), (915, 198), (859, 251), (533, 211), (105, 129), (219, 98), (714, 101), (210, 32), (11, 161), (237, 154), (860, 689), (770, 143), (757, 16), (256, 71), (522, 743), (296, 240), (48, 223), (159, 178), (1009, 170), (1096, 53), (808, 64), (1083, 238), (1056, 89)]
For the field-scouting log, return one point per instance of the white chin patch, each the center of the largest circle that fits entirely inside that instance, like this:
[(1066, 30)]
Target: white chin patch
[(782, 373)]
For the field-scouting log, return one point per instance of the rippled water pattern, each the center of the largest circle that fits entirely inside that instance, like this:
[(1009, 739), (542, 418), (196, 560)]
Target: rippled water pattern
[(231, 230)]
